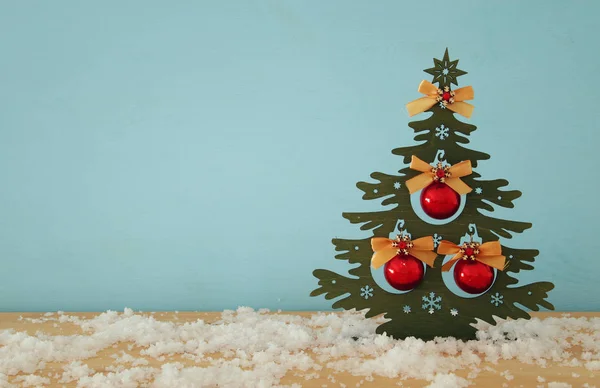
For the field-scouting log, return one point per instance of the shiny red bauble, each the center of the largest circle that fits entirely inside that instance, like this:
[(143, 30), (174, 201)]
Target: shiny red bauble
[(404, 272), (473, 277), (439, 201)]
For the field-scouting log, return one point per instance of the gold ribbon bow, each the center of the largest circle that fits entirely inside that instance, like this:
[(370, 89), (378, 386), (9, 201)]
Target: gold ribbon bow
[(489, 253), (385, 249), (451, 99), (449, 175)]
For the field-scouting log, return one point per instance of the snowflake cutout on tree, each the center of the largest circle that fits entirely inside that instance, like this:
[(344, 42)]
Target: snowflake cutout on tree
[(478, 190), (406, 309), (366, 292), (436, 240), (397, 185), (432, 302), (442, 132), (445, 71), (453, 312), (497, 299)]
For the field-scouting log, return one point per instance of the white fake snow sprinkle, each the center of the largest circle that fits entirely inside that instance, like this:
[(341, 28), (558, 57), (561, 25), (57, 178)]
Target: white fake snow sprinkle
[(75, 371), (248, 348), (555, 384), (32, 380)]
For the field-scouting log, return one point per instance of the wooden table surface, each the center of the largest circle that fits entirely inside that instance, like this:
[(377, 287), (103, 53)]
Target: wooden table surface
[(524, 375)]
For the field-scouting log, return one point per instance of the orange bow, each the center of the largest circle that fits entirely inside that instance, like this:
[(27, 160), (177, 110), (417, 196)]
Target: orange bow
[(449, 175), (451, 99), (385, 249), (489, 253)]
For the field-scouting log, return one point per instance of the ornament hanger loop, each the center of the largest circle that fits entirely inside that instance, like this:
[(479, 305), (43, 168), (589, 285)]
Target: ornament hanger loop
[(472, 231), (439, 156), (400, 225)]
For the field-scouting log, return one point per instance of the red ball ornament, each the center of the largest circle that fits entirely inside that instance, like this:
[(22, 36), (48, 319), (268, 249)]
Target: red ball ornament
[(472, 276), (404, 272), (439, 201)]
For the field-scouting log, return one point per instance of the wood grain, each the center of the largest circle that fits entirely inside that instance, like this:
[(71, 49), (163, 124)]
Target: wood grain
[(524, 375)]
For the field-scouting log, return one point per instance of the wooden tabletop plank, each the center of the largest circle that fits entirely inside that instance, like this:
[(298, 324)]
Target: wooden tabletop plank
[(492, 375)]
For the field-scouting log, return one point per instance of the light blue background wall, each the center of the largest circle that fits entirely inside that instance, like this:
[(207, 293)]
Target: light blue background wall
[(198, 155)]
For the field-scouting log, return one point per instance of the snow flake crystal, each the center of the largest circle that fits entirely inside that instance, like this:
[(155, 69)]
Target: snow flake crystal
[(366, 292), (497, 299), (437, 239), (431, 302), (442, 132)]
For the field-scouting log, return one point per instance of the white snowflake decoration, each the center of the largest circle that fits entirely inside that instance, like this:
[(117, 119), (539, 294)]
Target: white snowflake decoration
[(406, 309), (397, 185), (432, 302), (431, 311), (436, 240), (453, 312), (497, 299), (442, 132), (366, 292), (442, 105), (478, 190)]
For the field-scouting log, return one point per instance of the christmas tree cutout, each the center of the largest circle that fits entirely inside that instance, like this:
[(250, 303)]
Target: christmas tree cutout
[(435, 236)]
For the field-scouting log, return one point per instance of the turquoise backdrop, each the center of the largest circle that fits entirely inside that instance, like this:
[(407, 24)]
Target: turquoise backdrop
[(197, 155)]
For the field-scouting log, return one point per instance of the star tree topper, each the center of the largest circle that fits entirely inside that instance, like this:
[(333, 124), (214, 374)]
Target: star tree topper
[(445, 71)]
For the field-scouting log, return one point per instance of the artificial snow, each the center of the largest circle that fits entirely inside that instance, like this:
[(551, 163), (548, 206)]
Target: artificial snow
[(593, 365), (507, 375), (74, 371), (248, 348), (32, 380)]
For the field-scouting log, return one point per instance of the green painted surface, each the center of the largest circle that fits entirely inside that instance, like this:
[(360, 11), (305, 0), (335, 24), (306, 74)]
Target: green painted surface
[(420, 321)]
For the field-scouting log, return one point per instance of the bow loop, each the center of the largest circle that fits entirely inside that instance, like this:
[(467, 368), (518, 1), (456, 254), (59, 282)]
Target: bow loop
[(427, 88)]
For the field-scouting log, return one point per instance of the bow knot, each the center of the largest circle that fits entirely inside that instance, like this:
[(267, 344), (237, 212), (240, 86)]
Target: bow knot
[(385, 249), (489, 253), (449, 99), (449, 175)]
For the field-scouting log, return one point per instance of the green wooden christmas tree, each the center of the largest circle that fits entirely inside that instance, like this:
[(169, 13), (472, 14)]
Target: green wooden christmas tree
[(440, 261)]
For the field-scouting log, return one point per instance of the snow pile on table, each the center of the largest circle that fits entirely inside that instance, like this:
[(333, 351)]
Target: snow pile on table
[(248, 348)]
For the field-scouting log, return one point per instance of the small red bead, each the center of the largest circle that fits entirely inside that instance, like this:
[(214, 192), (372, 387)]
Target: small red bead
[(440, 173), (446, 96), (469, 251), (402, 245)]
